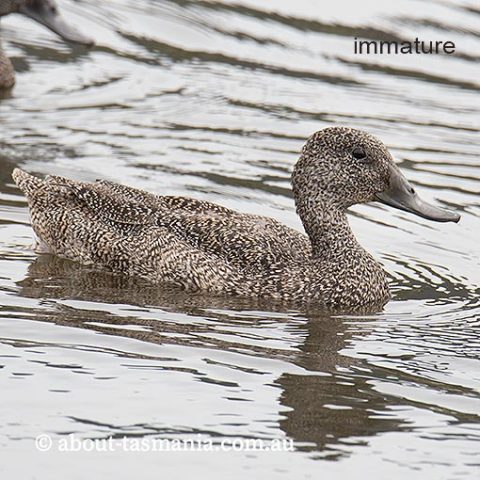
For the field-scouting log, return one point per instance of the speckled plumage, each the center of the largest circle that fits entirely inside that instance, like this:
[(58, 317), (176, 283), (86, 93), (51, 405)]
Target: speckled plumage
[(7, 73), (198, 245)]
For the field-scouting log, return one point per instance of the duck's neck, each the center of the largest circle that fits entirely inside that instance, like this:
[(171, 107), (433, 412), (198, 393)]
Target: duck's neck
[(354, 277), (7, 74), (328, 229)]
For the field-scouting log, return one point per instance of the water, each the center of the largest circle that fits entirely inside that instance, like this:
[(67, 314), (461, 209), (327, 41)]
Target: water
[(214, 100)]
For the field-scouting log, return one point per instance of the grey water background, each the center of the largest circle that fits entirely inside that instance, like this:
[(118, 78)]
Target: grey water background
[(214, 99)]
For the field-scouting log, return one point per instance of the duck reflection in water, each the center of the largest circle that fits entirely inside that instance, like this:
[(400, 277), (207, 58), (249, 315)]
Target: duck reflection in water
[(307, 399)]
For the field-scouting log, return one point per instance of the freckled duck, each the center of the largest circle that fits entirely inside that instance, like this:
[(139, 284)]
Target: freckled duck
[(44, 12), (197, 245)]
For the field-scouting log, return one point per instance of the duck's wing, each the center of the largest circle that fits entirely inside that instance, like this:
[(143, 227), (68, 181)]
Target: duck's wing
[(106, 203), (77, 222), (248, 243), (127, 205), (251, 242), (158, 201)]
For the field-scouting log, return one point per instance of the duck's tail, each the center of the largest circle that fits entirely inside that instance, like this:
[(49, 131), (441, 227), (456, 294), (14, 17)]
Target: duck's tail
[(27, 183)]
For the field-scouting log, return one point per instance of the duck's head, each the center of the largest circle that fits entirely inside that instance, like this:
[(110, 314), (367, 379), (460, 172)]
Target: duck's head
[(46, 13), (342, 166)]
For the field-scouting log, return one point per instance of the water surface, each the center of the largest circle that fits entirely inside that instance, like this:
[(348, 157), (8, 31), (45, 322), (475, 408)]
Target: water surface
[(214, 99)]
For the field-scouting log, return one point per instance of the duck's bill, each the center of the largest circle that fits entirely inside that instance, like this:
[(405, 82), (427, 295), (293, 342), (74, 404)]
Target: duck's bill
[(46, 13), (403, 196)]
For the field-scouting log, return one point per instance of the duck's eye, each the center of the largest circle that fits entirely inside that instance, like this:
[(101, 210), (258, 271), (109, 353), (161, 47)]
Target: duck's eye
[(359, 153)]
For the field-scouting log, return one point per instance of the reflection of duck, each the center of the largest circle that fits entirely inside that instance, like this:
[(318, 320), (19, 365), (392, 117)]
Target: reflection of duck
[(51, 277), (340, 407), (202, 246), (44, 12), (307, 398)]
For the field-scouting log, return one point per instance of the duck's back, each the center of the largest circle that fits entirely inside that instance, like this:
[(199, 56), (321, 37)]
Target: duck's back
[(172, 240)]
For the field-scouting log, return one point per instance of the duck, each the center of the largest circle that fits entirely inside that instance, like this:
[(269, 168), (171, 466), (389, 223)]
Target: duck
[(44, 12), (196, 245)]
